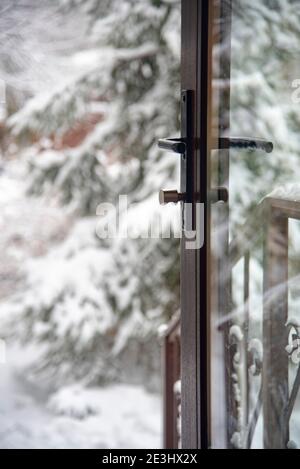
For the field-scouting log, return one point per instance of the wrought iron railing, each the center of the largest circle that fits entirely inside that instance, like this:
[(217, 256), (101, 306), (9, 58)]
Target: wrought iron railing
[(270, 222)]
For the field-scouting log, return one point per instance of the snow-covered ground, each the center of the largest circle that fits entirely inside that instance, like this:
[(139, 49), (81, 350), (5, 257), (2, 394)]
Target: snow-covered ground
[(118, 416)]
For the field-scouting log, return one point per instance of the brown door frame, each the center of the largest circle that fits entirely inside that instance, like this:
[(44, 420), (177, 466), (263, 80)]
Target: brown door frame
[(194, 286), (198, 36)]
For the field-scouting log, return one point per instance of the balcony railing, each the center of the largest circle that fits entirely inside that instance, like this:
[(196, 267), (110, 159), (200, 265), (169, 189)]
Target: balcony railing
[(269, 223)]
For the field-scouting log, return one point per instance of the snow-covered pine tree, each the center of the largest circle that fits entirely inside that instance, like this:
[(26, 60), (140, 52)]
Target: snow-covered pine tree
[(94, 306), (89, 300)]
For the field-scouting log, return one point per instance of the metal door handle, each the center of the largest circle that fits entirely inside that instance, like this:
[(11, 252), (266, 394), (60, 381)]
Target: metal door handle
[(184, 147), (168, 197), (245, 143), (218, 194), (176, 145)]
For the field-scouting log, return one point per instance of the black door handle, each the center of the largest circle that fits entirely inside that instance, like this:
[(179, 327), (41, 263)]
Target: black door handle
[(176, 145), (184, 147)]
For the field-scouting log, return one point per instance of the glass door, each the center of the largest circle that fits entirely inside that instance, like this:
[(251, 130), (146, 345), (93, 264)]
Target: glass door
[(253, 233)]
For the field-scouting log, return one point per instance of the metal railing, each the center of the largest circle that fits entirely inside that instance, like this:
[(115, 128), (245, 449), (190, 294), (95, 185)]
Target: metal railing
[(269, 223)]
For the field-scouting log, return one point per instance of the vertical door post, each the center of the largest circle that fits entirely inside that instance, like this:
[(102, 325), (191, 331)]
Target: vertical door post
[(194, 332), (275, 335)]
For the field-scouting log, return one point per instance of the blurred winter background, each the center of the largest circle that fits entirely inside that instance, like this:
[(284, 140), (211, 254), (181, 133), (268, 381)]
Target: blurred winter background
[(90, 86)]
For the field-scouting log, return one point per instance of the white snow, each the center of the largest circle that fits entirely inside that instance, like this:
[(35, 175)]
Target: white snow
[(236, 333), (293, 322), (115, 417), (119, 416), (287, 191), (292, 445), (177, 388)]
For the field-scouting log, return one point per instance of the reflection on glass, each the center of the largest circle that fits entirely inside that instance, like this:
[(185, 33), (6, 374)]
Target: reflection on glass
[(254, 264)]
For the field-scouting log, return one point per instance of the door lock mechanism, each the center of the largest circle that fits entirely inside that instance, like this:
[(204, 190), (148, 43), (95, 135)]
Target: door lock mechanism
[(184, 147), (167, 197), (219, 194)]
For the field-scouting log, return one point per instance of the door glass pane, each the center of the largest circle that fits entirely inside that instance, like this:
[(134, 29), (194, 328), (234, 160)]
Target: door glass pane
[(254, 238)]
